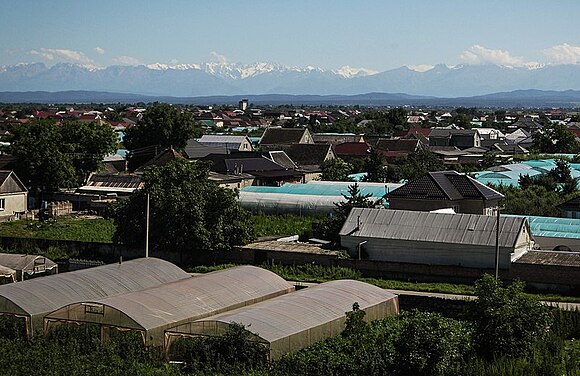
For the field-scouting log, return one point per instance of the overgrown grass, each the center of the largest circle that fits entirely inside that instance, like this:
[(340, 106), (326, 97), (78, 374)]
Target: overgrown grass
[(271, 225), (64, 228)]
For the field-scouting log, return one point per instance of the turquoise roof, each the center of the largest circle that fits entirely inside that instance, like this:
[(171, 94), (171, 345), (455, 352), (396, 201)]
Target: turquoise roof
[(326, 189), (553, 226), (358, 177)]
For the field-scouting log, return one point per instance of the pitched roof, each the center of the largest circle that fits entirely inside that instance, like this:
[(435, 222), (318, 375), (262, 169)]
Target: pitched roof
[(282, 136), (282, 158), (398, 144), (194, 149), (308, 154), (417, 226), (9, 183), (337, 138), (445, 185), (163, 158), (352, 149), (448, 132)]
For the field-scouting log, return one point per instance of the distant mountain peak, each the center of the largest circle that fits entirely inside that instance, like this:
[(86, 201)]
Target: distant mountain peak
[(348, 71)]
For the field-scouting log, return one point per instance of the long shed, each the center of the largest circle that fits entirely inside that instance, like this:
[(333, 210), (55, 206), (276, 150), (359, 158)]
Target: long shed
[(294, 321), (434, 238), (153, 310), (35, 298)]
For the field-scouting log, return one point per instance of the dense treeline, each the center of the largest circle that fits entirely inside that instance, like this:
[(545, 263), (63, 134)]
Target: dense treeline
[(503, 333)]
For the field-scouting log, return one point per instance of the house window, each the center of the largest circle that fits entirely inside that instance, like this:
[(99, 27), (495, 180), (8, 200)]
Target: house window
[(2, 203)]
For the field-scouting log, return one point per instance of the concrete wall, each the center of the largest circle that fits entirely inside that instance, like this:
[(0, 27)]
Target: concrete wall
[(14, 203), (475, 256), (460, 206)]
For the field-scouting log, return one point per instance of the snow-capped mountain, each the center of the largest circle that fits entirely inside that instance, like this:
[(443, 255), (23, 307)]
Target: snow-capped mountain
[(223, 78)]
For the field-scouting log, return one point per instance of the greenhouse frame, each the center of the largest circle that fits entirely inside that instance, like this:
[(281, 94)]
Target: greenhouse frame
[(297, 320), (35, 298), (152, 311)]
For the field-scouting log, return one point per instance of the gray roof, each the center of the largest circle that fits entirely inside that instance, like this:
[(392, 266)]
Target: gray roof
[(419, 226), (300, 311), (445, 185), (9, 182), (42, 295), (195, 150), (193, 298)]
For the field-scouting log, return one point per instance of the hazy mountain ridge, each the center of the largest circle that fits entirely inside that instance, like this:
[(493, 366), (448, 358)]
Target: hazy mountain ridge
[(519, 98), (207, 79)]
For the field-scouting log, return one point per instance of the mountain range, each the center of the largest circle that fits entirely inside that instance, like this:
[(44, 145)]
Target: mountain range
[(223, 79)]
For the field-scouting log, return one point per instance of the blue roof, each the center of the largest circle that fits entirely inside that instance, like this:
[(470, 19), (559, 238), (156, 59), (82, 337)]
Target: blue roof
[(553, 226)]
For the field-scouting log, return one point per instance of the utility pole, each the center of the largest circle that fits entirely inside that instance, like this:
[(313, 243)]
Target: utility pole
[(147, 229), (497, 245)]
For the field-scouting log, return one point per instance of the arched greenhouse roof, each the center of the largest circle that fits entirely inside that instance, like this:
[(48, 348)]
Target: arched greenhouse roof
[(292, 314), (179, 301), (39, 296)]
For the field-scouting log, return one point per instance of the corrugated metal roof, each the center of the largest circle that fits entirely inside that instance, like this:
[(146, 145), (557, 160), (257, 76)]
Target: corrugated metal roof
[(197, 297), (432, 227), (551, 258), (42, 295), (308, 308)]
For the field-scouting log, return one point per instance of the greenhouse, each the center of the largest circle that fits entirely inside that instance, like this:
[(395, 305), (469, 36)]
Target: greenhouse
[(311, 199), (297, 320), (34, 298), (153, 310)]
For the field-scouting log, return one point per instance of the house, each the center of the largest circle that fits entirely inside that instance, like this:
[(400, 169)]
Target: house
[(570, 208), (274, 136), (528, 124), (231, 181), (161, 159), (237, 143), (466, 240), (517, 136), (13, 196), (445, 189), (393, 148), (264, 170), (196, 150), (460, 138), (337, 138), (352, 150), (309, 157)]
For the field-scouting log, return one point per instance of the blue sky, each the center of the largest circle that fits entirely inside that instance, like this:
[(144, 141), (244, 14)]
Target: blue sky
[(377, 35)]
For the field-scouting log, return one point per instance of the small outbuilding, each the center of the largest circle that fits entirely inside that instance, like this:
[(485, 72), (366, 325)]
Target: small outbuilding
[(13, 196), (434, 238), (294, 321), (27, 265)]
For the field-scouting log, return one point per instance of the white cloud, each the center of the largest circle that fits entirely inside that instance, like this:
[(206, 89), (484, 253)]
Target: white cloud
[(126, 60), (477, 54), (56, 54), (99, 50), (222, 59), (563, 54)]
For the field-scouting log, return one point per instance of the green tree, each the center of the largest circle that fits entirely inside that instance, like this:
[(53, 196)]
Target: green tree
[(507, 321), (336, 170), (330, 227), (52, 156), (555, 138), (534, 200), (188, 212), (374, 166), (162, 126), (419, 163)]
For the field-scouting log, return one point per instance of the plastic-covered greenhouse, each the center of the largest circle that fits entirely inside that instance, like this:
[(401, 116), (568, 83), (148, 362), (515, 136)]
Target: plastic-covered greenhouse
[(297, 320), (35, 298), (153, 310), (313, 198)]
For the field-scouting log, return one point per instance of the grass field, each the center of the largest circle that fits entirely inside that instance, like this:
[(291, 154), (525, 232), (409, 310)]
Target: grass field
[(64, 228)]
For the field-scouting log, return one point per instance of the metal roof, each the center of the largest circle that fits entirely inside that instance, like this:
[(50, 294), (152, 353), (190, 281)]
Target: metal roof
[(551, 258), (297, 312), (432, 227), (194, 298), (552, 226), (42, 295)]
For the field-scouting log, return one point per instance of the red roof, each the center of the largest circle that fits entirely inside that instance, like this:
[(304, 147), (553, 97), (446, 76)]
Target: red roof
[(352, 149)]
